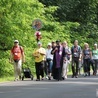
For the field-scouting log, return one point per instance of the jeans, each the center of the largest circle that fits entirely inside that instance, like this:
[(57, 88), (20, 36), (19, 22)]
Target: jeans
[(50, 64), (96, 65)]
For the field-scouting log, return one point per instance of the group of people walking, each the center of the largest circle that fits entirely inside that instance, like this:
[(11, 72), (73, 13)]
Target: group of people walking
[(56, 58), (53, 61)]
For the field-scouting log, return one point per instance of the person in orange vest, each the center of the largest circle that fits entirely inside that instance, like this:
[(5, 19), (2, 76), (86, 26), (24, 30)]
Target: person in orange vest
[(17, 57)]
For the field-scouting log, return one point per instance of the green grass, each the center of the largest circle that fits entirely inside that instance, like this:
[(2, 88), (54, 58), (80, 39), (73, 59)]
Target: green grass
[(6, 79)]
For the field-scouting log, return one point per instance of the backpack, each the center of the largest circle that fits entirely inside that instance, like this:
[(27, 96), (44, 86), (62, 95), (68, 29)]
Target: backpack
[(76, 51), (68, 55)]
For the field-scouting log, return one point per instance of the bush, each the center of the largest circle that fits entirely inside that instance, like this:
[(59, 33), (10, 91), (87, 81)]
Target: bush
[(6, 69)]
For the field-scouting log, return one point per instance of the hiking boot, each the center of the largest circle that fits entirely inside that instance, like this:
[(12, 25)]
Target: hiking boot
[(16, 79)]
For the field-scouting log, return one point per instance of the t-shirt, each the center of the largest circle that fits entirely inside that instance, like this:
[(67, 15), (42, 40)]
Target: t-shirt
[(17, 52), (67, 52), (95, 54), (76, 51), (48, 54), (86, 53), (39, 54)]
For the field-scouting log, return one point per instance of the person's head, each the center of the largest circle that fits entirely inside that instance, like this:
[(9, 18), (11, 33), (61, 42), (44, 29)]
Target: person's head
[(76, 43), (16, 42), (95, 46), (39, 44), (58, 42), (86, 45), (65, 43), (49, 45), (53, 43)]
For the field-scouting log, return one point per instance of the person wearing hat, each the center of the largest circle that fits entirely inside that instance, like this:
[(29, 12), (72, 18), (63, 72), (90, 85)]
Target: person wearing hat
[(49, 60), (39, 55), (17, 57), (95, 58)]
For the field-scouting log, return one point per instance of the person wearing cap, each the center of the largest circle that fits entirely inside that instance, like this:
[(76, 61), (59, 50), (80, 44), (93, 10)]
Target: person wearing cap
[(49, 60), (17, 57), (39, 55), (95, 58), (58, 55)]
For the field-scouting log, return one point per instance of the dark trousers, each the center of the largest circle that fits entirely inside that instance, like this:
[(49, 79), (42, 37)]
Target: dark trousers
[(39, 66), (75, 66), (96, 65), (86, 65), (57, 74)]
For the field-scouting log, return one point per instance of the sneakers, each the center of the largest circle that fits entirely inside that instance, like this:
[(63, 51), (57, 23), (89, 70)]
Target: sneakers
[(16, 79), (42, 78), (76, 76), (37, 79), (85, 74), (49, 77), (46, 77), (65, 77)]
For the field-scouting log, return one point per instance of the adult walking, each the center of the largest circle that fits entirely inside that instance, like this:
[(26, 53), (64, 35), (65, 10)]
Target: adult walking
[(49, 60), (66, 60), (95, 58), (86, 55), (39, 54), (17, 57), (58, 55), (75, 51)]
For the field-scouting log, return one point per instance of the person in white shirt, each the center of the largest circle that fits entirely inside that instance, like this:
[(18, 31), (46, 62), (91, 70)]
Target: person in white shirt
[(49, 59)]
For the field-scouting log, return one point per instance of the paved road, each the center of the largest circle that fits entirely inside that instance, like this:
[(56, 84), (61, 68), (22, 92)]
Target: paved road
[(70, 88)]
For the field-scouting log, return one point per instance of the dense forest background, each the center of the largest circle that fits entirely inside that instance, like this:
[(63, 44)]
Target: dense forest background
[(62, 19)]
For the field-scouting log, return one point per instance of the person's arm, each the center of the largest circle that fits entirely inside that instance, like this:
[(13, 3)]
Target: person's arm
[(11, 57), (23, 55), (80, 52), (90, 54), (54, 50), (43, 51)]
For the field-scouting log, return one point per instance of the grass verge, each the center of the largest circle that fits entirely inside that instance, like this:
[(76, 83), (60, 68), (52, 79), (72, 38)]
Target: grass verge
[(6, 79)]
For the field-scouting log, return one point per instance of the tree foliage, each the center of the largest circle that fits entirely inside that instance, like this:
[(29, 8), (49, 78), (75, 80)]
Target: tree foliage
[(62, 19)]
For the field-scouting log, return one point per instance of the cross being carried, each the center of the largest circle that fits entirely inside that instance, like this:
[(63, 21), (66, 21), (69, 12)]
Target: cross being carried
[(37, 25)]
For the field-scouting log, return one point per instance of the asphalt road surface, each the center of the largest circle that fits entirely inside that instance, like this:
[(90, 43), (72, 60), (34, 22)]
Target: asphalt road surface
[(83, 87)]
